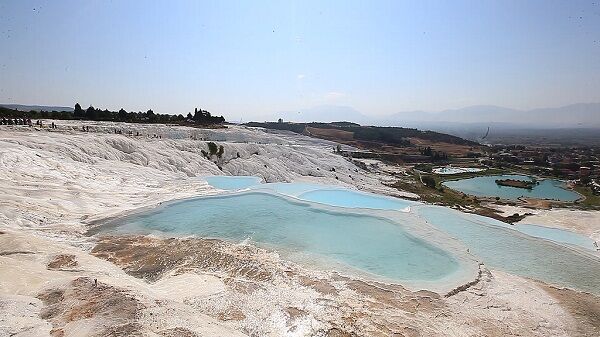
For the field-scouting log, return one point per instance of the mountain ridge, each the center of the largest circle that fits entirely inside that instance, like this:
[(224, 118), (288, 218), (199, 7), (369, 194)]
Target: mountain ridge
[(25, 107), (577, 114)]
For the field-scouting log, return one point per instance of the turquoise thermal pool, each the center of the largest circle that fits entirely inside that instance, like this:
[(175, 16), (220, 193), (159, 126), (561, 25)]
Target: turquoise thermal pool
[(384, 237), (486, 186), (232, 183), (448, 170), (500, 246), (354, 199), (328, 195), (368, 243), (557, 235)]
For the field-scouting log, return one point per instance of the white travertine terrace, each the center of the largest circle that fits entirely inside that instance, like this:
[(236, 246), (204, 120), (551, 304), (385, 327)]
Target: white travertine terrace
[(53, 184)]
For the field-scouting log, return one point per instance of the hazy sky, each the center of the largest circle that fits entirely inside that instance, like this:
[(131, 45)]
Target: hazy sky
[(251, 58)]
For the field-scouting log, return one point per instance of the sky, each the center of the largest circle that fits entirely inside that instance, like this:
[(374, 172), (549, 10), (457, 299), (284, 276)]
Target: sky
[(246, 59)]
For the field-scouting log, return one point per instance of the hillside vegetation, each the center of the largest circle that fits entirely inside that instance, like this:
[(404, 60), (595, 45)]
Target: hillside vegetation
[(388, 135), (201, 117)]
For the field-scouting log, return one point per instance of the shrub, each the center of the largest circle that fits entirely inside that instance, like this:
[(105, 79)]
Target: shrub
[(212, 148), (428, 181)]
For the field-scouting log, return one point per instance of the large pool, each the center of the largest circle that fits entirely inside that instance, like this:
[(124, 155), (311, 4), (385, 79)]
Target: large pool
[(486, 186), (371, 244)]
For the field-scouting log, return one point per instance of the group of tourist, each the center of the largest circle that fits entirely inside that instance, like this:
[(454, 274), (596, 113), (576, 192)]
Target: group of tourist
[(15, 121), (84, 128), (24, 121)]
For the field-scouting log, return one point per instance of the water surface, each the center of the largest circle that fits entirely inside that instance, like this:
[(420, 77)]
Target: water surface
[(448, 170), (380, 246), (499, 246), (232, 183), (372, 244), (557, 235), (355, 199), (485, 186)]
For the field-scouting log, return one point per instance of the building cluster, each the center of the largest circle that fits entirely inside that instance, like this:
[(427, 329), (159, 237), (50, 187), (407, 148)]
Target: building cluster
[(580, 163)]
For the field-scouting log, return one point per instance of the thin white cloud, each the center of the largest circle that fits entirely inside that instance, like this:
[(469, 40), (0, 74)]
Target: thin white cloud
[(300, 76), (333, 96)]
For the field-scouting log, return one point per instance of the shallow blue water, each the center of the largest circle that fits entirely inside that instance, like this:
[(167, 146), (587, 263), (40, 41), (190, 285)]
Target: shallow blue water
[(354, 199), (501, 247), (368, 243), (231, 183), (486, 186), (323, 194), (557, 235), (290, 189)]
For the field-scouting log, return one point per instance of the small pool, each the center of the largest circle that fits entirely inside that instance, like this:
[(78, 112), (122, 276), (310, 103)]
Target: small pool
[(557, 235), (486, 186), (354, 199), (447, 170), (289, 189), (323, 194), (232, 183)]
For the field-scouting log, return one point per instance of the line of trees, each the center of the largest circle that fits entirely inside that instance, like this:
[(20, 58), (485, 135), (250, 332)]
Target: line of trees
[(201, 117), (95, 114), (435, 155)]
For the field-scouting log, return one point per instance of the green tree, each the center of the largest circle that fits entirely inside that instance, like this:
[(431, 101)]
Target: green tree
[(151, 116), (90, 113), (78, 112), (122, 115), (212, 148), (428, 181)]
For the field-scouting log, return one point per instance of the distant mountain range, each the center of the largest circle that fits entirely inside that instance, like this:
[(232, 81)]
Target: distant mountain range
[(571, 124), (22, 107), (581, 115), (574, 115)]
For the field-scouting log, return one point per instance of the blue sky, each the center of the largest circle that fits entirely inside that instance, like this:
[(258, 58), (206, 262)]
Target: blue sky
[(251, 58)]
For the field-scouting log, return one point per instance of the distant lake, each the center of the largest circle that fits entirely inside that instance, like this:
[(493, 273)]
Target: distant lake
[(486, 186)]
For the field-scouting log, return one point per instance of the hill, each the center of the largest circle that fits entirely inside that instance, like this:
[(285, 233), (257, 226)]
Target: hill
[(574, 115), (387, 135), (21, 107)]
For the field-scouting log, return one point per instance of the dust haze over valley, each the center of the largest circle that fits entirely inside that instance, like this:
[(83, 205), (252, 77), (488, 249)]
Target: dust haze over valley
[(571, 124)]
